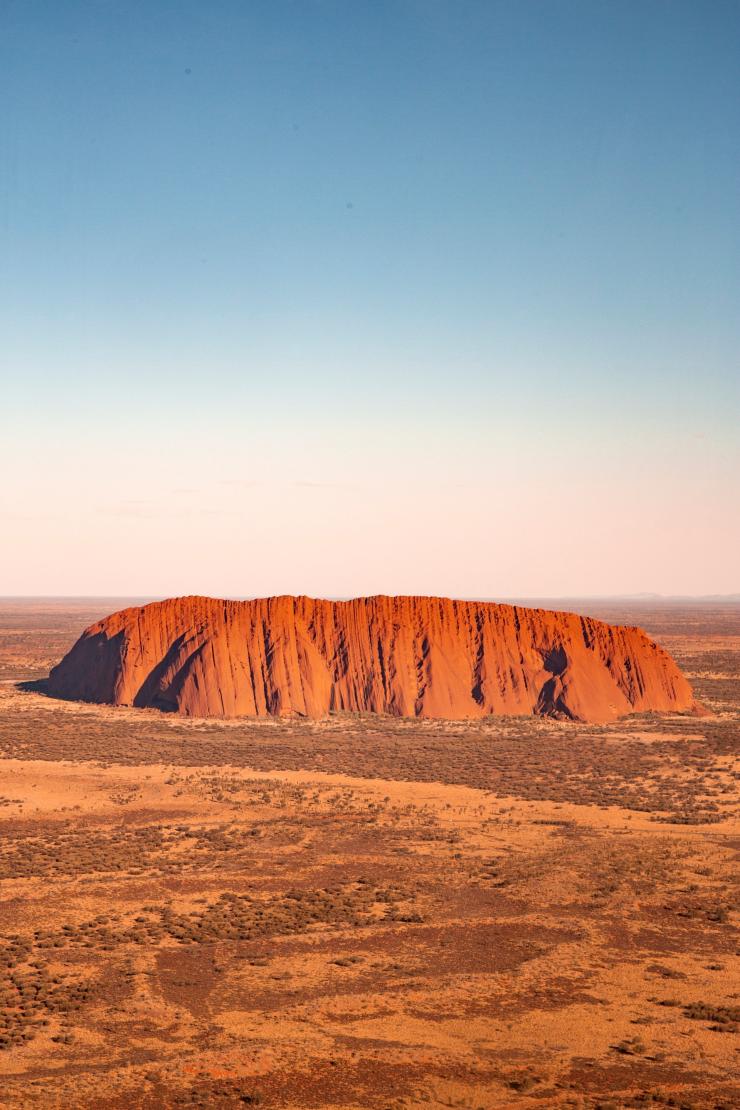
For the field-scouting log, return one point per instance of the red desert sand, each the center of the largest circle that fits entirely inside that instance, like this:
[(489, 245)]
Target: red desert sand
[(403, 656)]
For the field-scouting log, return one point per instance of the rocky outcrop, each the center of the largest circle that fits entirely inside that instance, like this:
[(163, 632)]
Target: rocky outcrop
[(406, 656)]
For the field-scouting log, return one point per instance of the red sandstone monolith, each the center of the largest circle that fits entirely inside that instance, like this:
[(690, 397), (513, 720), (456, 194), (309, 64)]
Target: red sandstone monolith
[(406, 656)]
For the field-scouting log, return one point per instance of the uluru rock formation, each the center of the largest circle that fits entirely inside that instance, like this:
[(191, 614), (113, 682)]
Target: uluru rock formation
[(406, 656)]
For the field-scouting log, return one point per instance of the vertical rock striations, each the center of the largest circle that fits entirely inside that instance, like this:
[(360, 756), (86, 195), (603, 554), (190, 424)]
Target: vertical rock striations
[(406, 656)]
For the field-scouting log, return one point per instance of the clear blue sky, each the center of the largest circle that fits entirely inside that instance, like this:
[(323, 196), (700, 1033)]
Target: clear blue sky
[(353, 297)]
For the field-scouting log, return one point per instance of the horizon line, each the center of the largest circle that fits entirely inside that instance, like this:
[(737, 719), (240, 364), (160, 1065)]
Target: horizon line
[(735, 597)]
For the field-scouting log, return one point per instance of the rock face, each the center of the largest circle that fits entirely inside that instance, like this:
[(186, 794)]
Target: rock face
[(406, 656)]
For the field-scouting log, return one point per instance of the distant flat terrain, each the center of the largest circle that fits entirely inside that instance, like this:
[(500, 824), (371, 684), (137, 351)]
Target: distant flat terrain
[(36, 632), (364, 911)]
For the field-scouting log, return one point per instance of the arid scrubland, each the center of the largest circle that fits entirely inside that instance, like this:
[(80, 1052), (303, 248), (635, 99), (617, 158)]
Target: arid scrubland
[(368, 912)]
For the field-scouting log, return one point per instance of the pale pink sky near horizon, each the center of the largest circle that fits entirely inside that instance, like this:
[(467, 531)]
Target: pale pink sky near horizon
[(399, 506)]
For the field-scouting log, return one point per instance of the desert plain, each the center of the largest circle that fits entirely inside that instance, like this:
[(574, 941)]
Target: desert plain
[(363, 911)]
